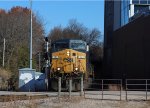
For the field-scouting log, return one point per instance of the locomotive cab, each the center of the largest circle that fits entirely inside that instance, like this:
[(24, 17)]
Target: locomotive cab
[(69, 59)]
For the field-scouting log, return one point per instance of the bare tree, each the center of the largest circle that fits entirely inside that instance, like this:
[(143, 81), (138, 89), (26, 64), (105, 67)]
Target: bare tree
[(56, 33), (76, 30), (15, 27)]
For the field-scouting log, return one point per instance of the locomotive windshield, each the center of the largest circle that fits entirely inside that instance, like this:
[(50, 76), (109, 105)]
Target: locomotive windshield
[(78, 46), (69, 44), (60, 46)]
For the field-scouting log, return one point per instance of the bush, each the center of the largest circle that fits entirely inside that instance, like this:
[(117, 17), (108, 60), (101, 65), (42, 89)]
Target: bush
[(4, 77)]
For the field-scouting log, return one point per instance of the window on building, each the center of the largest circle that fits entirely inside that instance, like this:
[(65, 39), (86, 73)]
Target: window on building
[(124, 12), (143, 1), (135, 1), (141, 8)]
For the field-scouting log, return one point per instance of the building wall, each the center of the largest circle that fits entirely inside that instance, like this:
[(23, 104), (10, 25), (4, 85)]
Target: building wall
[(118, 13), (124, 12), (130, 52), (111, 22)]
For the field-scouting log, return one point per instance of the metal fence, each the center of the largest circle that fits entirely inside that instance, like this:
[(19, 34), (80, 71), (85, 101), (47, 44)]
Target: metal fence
[(104, 89), (137, 89), (112, 89)]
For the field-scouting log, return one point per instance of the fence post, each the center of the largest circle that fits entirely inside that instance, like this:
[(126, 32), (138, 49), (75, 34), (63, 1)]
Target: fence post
[(126, 90), (146, 89), (120, 88), (81, 94), (70, 87), (102, 89), (59, 86)]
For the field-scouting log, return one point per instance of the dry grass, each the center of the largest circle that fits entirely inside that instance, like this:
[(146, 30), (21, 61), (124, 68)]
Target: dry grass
[(4, 76), (4, 73)]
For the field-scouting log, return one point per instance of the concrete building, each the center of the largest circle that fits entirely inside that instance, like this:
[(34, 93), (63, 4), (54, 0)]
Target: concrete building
[(118, 13)]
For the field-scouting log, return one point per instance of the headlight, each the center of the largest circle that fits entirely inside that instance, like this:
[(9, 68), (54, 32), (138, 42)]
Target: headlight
[(76, 68), (58, 69), (55, 57), (68, 53), (81, 57)]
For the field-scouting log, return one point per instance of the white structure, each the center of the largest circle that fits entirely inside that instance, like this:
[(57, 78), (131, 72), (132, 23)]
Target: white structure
[(26, 79), (30, 80)]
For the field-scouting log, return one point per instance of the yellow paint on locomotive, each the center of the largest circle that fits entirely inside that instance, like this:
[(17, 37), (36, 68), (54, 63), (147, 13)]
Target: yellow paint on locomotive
[(68, 61)]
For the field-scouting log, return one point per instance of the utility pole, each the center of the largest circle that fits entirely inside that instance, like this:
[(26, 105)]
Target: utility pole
[(4, 54), (47, 64), (30, 34)]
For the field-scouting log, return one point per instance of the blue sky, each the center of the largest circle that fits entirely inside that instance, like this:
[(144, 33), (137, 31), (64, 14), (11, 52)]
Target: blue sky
[(59, 12)]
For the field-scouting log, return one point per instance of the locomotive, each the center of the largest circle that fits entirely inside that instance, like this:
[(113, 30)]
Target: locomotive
[(69, 60)]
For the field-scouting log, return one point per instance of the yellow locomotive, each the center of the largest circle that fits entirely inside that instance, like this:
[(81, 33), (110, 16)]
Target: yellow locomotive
[(68, 59)]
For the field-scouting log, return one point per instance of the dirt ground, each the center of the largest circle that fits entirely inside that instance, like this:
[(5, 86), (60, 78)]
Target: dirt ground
[(90, 99), (74, 102)]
